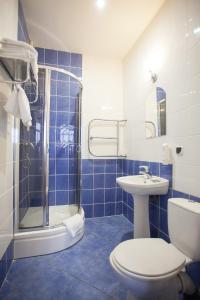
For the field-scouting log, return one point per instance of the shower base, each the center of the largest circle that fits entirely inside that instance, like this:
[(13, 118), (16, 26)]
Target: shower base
[(34, 215), (50, 239)]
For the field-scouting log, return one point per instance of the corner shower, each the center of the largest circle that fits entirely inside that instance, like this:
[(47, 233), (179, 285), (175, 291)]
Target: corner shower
[(45, 199)]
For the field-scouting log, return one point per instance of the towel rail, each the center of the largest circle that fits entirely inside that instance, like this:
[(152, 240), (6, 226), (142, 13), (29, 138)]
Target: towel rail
[(19, 71), (112, 138), (13, 81)]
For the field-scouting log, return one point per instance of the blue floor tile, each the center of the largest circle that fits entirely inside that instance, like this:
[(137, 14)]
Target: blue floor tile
[(49, 284), (80, 272)]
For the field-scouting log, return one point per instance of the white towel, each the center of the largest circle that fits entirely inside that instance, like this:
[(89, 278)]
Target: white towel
[(74, 224), (18, 105), (20, 50)]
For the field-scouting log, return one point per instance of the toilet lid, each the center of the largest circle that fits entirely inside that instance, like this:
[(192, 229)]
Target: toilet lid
[(148, 257)]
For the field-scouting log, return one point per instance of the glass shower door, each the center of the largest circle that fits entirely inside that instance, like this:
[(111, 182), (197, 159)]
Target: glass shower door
[(55, 133), (33, 203)]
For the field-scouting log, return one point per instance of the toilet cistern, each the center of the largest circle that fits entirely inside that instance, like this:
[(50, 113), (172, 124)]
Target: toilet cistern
[(141, 186)]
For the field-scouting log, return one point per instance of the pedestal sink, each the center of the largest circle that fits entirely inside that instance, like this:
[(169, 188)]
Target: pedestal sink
[(140, 187)]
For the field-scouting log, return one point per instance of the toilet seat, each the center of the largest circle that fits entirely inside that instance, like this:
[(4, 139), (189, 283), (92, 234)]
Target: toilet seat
[(148, 258)]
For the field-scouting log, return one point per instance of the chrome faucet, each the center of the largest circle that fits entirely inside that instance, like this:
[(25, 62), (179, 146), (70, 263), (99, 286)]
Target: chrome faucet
[(145, 170), (27, 144)]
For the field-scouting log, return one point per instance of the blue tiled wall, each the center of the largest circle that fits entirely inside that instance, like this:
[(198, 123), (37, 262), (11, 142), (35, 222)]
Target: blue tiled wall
[(35, 136), (63, 125), (63, 132), (30, 170), (158, 204), (6, 261), (100, 195)]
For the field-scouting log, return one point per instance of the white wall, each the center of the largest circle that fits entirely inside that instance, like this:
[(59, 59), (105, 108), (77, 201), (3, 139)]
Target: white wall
[(8, 28), (170, 47), (102, 98)]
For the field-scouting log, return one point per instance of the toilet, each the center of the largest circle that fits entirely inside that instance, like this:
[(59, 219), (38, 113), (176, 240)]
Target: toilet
[(153, 269)]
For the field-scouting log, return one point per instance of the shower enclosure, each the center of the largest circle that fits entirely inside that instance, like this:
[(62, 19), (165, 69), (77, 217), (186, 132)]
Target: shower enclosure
[(50, 163)]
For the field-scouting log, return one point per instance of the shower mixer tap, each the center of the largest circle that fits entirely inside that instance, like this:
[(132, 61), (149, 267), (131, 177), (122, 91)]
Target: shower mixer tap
[(27, 144)]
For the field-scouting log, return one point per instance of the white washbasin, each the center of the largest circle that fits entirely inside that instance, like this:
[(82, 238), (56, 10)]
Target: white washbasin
[(139, 185)]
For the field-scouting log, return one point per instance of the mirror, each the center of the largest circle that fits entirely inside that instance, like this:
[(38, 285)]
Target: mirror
[(155, 120)]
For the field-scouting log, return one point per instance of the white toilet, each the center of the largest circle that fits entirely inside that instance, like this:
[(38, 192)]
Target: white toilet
[(152, 268)]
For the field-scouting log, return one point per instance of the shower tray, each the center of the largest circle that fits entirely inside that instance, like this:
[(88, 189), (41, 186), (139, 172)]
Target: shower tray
[(48, 240)]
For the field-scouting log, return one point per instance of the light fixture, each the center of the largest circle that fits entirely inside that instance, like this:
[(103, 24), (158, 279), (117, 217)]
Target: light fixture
[(196, 30), (154, 60), (100, 3), (154, 77)]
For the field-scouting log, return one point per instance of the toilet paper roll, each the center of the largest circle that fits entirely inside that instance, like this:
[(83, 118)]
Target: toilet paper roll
[(166, 154)]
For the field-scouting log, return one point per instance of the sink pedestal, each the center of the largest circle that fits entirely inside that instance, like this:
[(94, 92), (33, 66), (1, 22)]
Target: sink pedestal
[(140, 188), (141, 216)]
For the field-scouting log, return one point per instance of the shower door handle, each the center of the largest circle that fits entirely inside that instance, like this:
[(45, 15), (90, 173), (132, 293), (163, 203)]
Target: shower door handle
[(47, 148), (78, 148)]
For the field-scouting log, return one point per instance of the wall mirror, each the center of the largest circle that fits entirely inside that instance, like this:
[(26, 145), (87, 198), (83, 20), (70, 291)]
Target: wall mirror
[(155, 110)]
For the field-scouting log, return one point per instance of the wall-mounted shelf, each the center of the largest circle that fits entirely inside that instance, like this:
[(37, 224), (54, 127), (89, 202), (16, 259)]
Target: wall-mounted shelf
[(102, 137), (116, 138), (15, 69)]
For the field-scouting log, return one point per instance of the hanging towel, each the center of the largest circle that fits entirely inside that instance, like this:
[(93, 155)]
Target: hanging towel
[(11, 105), (74, 224), (24, 108), (18, 105)]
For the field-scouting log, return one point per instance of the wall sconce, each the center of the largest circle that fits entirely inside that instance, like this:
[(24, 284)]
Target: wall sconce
[(154, 77)]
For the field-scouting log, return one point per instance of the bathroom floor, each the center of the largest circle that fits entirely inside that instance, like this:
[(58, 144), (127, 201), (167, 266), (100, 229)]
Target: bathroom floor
[(80, 272)]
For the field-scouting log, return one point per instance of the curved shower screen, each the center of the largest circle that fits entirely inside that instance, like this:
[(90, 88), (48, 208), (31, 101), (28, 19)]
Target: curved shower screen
[(31, 199), (50, 170)]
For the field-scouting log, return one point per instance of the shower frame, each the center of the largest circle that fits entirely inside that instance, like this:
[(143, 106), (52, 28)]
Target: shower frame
[(45, 161)]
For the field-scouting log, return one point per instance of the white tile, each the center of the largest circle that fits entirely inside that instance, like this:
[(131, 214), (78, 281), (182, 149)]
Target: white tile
[(179, 75), (102, 98), (193, 20), (8, 28), (6, 202), (191, 150), (187, 179), (6, 234)]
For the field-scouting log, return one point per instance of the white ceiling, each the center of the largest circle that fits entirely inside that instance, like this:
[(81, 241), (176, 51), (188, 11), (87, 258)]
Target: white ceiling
[(79, 26)]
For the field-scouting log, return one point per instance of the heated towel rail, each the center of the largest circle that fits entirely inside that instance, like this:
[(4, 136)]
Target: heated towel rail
[(116, 138)]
